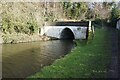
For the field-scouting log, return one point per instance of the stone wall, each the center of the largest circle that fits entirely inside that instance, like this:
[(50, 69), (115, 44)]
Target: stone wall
[(22, 20)]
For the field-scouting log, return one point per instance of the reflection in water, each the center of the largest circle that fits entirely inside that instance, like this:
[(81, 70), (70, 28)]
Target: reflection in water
[(24, 59)]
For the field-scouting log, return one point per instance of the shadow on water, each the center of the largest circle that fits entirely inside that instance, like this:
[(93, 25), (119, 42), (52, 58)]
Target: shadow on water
[(24, 59)]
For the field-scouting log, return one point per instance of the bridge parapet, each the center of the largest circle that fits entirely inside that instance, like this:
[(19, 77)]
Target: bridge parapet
[(69, 23)]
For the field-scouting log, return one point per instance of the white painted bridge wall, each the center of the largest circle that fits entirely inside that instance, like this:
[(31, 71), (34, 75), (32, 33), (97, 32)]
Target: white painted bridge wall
[(55, 31)]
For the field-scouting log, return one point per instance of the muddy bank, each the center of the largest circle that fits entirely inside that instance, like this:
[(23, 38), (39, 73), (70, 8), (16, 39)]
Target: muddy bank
[(20, 38)]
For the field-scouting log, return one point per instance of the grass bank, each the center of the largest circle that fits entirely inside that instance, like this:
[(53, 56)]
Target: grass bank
[(89, 59)]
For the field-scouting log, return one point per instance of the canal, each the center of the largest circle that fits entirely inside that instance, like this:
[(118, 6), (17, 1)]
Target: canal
[(25, 59)]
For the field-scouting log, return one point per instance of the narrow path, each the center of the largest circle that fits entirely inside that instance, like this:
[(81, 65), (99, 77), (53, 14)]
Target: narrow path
[(113, 68)]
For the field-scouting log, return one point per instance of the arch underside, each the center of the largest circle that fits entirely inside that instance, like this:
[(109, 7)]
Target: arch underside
[(67, 34)]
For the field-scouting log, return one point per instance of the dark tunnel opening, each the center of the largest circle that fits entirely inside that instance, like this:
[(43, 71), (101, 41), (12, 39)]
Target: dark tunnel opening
[(67, 34)]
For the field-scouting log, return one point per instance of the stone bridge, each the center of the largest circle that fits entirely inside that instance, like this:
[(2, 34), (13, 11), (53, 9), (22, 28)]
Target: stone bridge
[(67, 30)]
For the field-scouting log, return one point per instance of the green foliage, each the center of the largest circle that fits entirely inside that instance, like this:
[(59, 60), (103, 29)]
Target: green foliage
[(20, 18), (115, 14), (32, 26), (28, 17), (49, 17), (99, 23), (99, 10), (74, 10), (9, 25), (90, 14)]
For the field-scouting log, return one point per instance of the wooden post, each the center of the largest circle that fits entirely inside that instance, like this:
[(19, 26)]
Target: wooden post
[(89, 26)]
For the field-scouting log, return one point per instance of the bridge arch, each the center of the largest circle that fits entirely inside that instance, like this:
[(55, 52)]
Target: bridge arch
[(67, 33)]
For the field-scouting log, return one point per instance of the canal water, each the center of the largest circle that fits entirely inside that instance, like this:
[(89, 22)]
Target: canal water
[(25, 59)]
